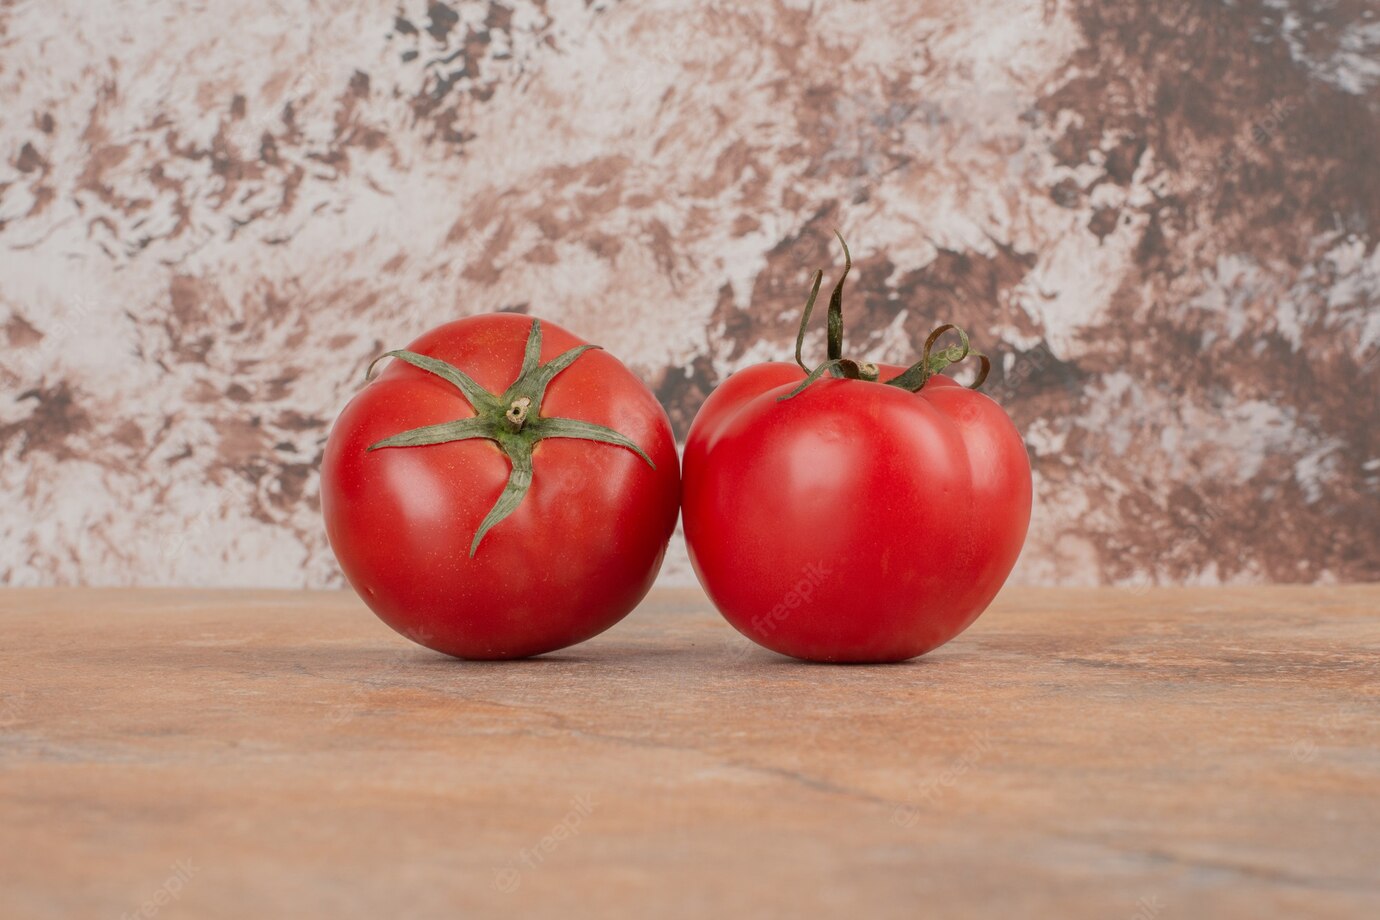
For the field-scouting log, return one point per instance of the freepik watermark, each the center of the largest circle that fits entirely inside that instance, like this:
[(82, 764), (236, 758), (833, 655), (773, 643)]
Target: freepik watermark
[(1195, 525), (183, 871), (1261, 133), (934, 788), (36, 359), (1025, 367), (9, 710), (1305, 750), (800, 594), (1148, 908), (812, 576), (174, 545), (508, 879)]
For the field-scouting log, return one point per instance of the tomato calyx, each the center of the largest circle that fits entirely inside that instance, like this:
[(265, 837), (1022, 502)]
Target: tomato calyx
[(912, 378), (511, 419)]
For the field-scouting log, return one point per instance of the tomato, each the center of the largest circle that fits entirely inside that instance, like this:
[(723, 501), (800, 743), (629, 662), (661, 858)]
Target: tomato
[(501, 489), (869, 516)]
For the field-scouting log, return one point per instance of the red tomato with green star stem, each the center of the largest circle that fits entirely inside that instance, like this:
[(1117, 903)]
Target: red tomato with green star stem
[(501, 490), (856, 513)]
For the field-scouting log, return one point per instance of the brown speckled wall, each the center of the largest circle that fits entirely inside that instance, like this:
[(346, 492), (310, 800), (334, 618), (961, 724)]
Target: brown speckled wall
[(1161, 218)]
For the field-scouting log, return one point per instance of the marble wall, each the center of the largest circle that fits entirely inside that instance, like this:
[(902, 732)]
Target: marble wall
[(1161, 218)]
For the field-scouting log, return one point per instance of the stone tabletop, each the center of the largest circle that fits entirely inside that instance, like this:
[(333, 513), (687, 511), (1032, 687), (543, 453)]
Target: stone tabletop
[(1077, 753)]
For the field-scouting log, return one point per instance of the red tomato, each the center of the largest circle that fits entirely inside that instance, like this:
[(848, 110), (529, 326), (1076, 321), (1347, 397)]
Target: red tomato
[(502, 504), (853, 521)]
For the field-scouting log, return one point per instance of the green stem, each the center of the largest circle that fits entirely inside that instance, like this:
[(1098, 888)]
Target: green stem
[(918, 374), (517, 412), (912, 378), (836, 305), (842, 367), (805, 320)]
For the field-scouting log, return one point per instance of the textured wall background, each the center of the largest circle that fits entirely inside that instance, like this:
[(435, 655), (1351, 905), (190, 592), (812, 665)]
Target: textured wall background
[(1161, 217)]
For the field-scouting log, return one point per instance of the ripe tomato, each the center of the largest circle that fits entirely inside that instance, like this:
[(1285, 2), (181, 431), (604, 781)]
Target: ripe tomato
[(838, 518), (501, 490)]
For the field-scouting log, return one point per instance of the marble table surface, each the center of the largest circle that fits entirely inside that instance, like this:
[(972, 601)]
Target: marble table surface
[(1077, 753)]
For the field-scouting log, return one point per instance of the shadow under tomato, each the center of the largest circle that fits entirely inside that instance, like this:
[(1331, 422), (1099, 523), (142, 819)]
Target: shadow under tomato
[(774, 659)]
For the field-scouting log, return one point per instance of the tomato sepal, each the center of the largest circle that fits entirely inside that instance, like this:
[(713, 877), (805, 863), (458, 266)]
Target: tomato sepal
[(512, 420)]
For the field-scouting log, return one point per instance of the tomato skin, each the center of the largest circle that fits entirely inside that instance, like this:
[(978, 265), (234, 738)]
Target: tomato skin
[(853, 522), (575, 557), (730, 396)]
